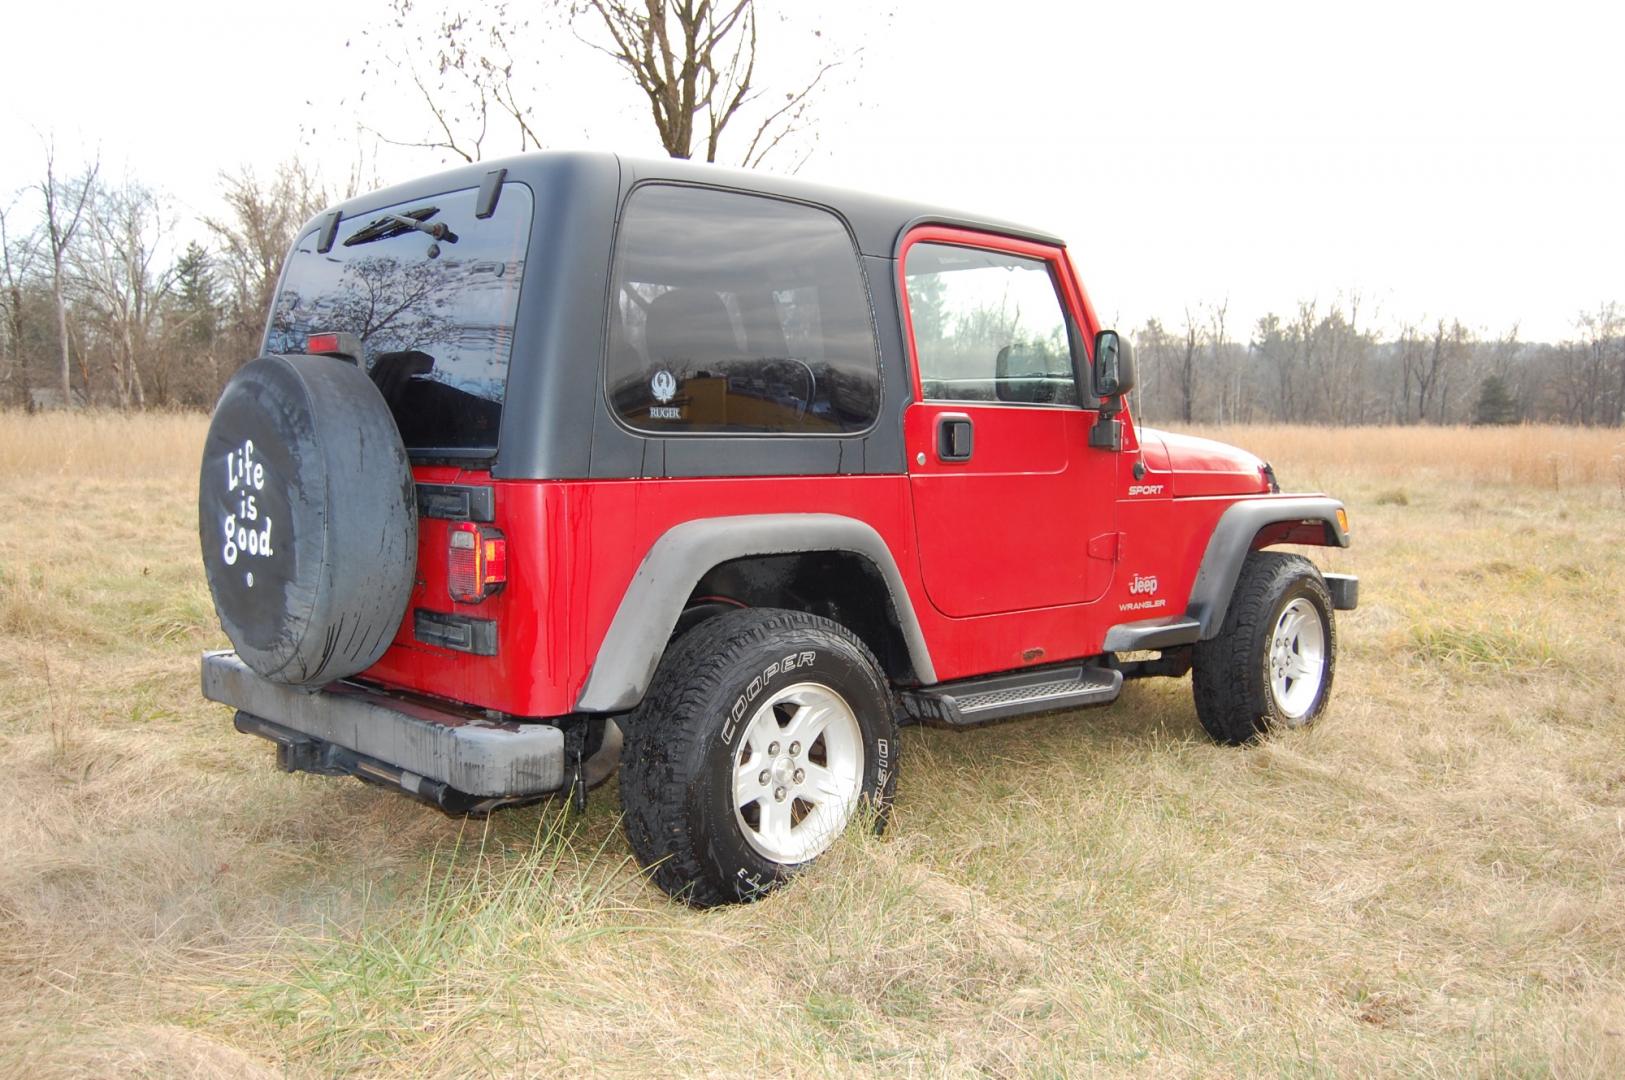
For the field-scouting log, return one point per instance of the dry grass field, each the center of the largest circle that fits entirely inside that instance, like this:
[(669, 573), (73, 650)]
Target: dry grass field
[(1430, 882)]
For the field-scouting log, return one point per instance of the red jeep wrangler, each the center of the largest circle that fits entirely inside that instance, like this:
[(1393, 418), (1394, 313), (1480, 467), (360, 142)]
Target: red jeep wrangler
[(573, 460)]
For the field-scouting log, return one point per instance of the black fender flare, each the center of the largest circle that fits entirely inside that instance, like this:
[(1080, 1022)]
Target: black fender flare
[(653, 601), (1232, 539)]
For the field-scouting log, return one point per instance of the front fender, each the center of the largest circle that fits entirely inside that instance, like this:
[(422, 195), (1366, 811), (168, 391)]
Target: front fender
[(1232, 539)]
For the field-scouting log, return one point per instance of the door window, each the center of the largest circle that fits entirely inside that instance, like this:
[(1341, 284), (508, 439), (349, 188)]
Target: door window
[(989, 327)]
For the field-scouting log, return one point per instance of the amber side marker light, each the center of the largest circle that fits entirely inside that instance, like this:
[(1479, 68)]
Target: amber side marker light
[(476, 562), (1343, 518)]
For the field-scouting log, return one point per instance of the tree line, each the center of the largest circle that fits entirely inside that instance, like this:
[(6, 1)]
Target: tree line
[(100, 305), (1327, 363)]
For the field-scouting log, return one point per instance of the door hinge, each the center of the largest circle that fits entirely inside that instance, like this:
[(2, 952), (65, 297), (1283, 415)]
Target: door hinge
[(1106, 546)]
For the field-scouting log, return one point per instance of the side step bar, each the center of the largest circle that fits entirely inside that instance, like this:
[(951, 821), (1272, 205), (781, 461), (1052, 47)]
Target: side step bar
[(1000, 697)]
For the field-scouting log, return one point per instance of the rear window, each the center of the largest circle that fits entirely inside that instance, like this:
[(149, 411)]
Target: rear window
[(436, 329), (736, 313)]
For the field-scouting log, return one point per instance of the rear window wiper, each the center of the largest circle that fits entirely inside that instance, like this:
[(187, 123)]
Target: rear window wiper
[(389, 225)]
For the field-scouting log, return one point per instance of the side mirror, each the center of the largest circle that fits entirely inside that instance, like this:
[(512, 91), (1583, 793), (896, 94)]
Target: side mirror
[(1114, 365)]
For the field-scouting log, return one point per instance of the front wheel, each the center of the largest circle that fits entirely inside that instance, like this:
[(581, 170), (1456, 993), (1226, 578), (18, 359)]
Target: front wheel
[(762, 734), (1271, 664)]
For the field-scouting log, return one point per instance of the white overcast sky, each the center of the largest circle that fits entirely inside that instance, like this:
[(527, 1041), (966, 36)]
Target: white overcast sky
[(1464, 160)]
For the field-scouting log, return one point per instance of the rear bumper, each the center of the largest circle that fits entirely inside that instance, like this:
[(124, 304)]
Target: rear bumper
[(354, 729)]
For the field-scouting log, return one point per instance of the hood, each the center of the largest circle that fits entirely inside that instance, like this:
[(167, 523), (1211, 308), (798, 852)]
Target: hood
[(1203, 466)]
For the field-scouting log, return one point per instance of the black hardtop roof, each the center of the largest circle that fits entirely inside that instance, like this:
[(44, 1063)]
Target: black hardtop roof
[(877, 220)]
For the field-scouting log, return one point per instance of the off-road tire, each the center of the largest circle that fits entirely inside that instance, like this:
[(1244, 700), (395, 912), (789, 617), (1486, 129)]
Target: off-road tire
[(677, 759), (308, 519), (1231, 672)]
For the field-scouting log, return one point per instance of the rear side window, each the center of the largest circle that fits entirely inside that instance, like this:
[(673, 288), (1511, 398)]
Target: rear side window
[(436, 330), (988, 326), (738, 313)]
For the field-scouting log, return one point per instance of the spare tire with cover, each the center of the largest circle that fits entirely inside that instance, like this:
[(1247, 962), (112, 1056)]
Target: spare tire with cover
[(308, 518)]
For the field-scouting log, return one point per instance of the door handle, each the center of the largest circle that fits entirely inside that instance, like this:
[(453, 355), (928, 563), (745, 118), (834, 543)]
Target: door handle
[(956, 437)]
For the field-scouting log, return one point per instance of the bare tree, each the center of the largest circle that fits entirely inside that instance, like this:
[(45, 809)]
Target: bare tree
[(1218, 340), (1411, 350), (1153, 349), (1187, 366), (462, 68), (1278, 348), (65, 203), (115, 270), (262, 219), (1430, 363), (1603, 338), (16, 260), (696, 63)]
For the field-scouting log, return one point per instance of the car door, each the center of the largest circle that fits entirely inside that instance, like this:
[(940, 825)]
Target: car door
[(1013, 510)]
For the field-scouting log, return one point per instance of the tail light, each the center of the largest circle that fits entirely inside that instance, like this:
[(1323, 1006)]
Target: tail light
[(477, 562), (343, 346)]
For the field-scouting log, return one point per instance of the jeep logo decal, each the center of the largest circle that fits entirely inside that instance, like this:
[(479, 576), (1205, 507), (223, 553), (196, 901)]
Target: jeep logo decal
[(1142, 586)]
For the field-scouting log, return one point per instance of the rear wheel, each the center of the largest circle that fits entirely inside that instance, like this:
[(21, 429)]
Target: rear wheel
[(763, 733), (1271, 664)]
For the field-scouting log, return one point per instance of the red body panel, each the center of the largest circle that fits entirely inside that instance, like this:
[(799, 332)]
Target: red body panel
[(1033, 493), (1032, 496), (574, 547), (1207, 467), (1026, 555)]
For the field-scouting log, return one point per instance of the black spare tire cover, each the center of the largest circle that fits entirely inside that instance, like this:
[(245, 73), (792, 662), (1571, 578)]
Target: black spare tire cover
[(308, 518)]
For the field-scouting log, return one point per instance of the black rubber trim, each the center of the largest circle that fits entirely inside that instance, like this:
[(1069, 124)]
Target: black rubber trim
[(460, 633), (1152, 634), (1232, 541), (956, 437), (652, 603), (970, 702), (457, 502), (328, 232), (490, 191)]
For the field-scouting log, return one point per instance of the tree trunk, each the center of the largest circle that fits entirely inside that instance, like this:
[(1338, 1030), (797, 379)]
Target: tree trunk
[(25, 399), (62, 335)]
